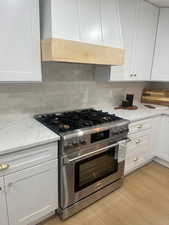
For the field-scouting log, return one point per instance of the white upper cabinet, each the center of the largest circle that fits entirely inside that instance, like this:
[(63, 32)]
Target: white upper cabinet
[(139, 21), (59, 19), (20, 59), (111, 26), (90, 21), (3, 209), (94, 22), (160, 71), (145, 40), (128, 12)]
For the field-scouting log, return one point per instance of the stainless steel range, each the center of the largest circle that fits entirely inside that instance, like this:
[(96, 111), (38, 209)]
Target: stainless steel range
[(91, 156)]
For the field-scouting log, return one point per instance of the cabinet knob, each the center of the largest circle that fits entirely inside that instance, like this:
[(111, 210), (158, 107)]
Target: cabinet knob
[(137, 141), (4, 167), (10, 185), (135, 159), (139, 126), (133, 75)]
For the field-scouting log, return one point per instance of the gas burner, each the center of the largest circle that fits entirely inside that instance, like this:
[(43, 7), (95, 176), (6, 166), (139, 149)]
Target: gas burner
[(73, 120)]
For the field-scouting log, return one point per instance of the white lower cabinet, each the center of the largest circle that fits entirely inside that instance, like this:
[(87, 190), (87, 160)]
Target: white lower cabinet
[(32, 193), (156, 135), (3, 210), (139, 149), (29, 186), (162, 150)]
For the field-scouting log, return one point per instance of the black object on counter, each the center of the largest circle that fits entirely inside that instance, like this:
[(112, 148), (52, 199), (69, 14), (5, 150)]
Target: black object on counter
[(125, 103), (130, 99)]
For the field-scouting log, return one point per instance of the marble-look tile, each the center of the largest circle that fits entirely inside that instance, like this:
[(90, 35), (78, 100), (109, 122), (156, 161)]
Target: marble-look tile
[(66, 86)]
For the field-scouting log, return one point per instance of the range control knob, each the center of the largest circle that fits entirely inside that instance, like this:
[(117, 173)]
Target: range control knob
[(114, 132), (121, 130), (75, 143), (70, 145), (82, 141)]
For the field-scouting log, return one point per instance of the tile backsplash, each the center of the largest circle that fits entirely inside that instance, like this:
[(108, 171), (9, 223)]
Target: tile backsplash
[(65, 86)]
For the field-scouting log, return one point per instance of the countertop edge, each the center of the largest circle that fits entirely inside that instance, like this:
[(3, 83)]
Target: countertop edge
[(148, 117), (26, 147)]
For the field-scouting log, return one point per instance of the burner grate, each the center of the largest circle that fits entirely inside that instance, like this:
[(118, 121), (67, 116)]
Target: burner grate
[(69, 121)]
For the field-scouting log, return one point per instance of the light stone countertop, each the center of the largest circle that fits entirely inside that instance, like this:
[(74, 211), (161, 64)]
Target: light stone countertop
[(141, 113), (22, 131)]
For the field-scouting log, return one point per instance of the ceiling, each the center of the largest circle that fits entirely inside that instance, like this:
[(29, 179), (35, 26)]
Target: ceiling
[(160, 3)]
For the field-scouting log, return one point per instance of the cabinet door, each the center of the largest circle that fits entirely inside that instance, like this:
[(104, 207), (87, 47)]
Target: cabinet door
[(65, 19), (90, 21), (163, 145), (111, 26), (19, 41), (32, 193), (145, 40), (160, 70), (3, 209), (128, 16), (139, 150), (156, 135)]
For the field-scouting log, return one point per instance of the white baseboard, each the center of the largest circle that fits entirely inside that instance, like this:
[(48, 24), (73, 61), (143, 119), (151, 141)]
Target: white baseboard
[(155, 159), (43, 218), (161, 161)]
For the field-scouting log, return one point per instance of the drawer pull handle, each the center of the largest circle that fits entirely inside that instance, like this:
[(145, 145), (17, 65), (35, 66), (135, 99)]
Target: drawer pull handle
[(140, 126), (136, 159), (4, 167)]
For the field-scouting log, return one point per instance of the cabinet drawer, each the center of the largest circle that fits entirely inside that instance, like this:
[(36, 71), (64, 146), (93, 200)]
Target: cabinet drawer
[(137, 140), (140, 126), (28, 158), (142, 151), (137, 158)]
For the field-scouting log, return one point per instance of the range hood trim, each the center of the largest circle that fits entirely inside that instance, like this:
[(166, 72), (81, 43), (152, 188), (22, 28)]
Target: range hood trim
[(60, 50)]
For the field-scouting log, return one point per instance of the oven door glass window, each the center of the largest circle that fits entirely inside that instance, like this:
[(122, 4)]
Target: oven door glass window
[(95, 168)]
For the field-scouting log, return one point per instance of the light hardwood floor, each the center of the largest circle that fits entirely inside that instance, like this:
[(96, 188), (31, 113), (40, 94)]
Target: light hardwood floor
[(143, 200)]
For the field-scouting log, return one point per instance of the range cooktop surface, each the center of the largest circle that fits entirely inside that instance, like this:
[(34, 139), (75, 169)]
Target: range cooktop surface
[(73, 120)]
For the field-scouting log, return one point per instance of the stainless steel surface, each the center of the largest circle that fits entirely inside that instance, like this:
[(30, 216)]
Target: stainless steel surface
[(66, 213), (67, 176), (80, 132), (71, 143), (67, 160), (105, 141)]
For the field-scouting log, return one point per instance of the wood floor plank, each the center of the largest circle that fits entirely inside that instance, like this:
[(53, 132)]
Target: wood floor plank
[(143, 200)]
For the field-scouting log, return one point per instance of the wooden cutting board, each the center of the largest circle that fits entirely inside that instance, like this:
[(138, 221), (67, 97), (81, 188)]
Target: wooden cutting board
[(134, 107), (158, 97)]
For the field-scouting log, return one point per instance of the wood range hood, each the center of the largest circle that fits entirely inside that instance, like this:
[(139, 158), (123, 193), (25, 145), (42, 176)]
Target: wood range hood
[(60, 50)]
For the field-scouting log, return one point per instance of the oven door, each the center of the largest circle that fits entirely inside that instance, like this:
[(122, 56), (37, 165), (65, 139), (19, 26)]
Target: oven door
[(87, 173)]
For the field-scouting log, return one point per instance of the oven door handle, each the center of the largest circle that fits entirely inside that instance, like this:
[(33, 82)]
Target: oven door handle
[(66, 160)]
